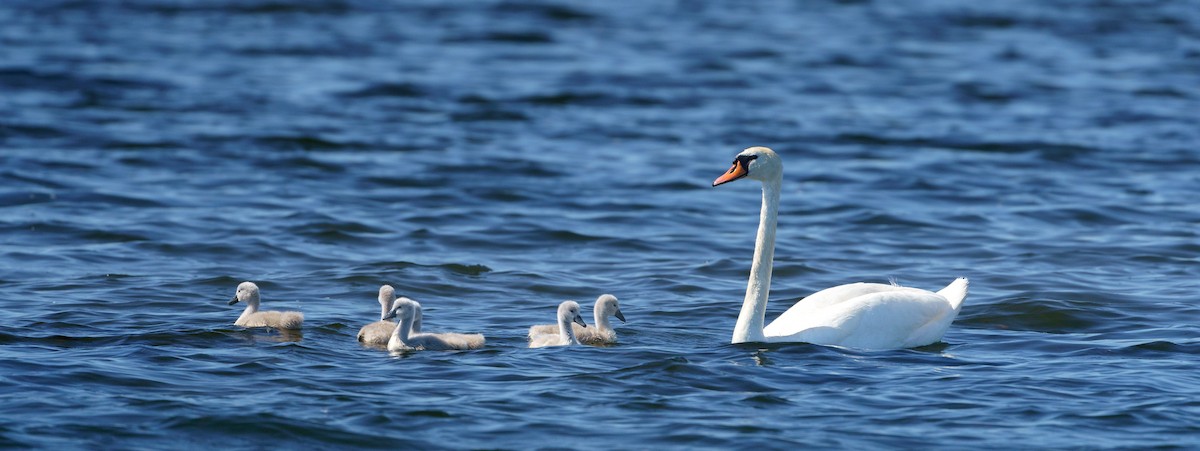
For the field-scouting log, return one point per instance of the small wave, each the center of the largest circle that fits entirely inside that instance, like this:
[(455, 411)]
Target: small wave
[(252, 7), (1090, 216), (877, 218), (32, 131), (1056, 151), (489, 115), (96, 199), (464, 269), (457, 268), (303, 143), (337, 231), (24, 78), (12, 199), (1165, 91), (263, 426), (509, 37), (1058, 316), (404, 90), (1162, 346), (544, 11), (591, 98)]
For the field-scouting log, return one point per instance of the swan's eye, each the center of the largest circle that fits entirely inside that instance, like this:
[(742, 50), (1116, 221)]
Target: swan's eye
[(743, 161)]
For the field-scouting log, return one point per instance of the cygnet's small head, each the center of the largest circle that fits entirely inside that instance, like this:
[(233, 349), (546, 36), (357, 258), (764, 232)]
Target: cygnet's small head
[(608, 306), (757, 163), (403, 309), (246, 292), (387, 295), (570, 310)]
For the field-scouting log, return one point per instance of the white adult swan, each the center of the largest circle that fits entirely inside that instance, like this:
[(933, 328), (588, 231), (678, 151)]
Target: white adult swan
[(603, 333), (379, 332), (406, 311), (568, 311), (858, 315), (248, 292)]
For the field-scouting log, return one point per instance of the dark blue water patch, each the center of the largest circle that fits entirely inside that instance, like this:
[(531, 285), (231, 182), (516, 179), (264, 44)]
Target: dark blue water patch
[(266, 426), (973, 91), (11, 132), (18, 78), (1160, 348), (538, 11), (1052, 151), (524, 37), (388, 90), (306, 143), (577, 97), (1045, 315), (69, 234), (13, 199), (255, 8), (1163, 91)]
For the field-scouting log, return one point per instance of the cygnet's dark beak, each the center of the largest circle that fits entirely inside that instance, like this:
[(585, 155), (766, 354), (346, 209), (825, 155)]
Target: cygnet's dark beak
[(579, 321), (390, 315), (620, 315), (234, 301)]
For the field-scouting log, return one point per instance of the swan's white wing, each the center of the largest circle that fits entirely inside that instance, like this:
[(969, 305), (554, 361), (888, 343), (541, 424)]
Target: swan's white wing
[(543, 340), (589, 335), (880, 319), (378, 332), (445, 341), (272, 318), (595, 335), (542, 329), (799, 316)]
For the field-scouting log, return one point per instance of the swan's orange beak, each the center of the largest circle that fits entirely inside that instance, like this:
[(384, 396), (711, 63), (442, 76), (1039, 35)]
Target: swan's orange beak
[(737, 171)]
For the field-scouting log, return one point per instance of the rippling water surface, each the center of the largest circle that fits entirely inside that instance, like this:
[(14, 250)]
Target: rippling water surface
[(491, 159)]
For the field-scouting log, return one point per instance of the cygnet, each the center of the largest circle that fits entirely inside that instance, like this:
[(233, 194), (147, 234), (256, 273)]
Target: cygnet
[(568, 312), (406, 311), (602, 334), (248, 292)]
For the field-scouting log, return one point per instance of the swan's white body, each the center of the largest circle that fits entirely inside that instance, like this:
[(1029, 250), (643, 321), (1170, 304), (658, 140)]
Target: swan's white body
[(858, 315), (402, 339), (603, 333), (248, 292), (568, 312), (380, 332)]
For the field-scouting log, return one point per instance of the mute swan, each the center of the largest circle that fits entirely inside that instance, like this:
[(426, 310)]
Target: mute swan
[(406, 311), (248, 292), (603, 333), (859, 315), (379, 332), (568, 311)]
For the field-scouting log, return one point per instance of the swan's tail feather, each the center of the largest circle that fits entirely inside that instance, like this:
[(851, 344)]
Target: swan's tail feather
[(956, 292)]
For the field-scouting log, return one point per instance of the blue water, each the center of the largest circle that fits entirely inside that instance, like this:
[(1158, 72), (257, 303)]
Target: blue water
[(491, 159)]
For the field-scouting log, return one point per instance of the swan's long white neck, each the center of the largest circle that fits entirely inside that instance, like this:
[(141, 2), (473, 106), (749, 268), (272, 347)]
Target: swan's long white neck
[(402, 330), (385, 307), (416, 323), (566, 331), (251, 308), (750, 322), (601, 319)]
